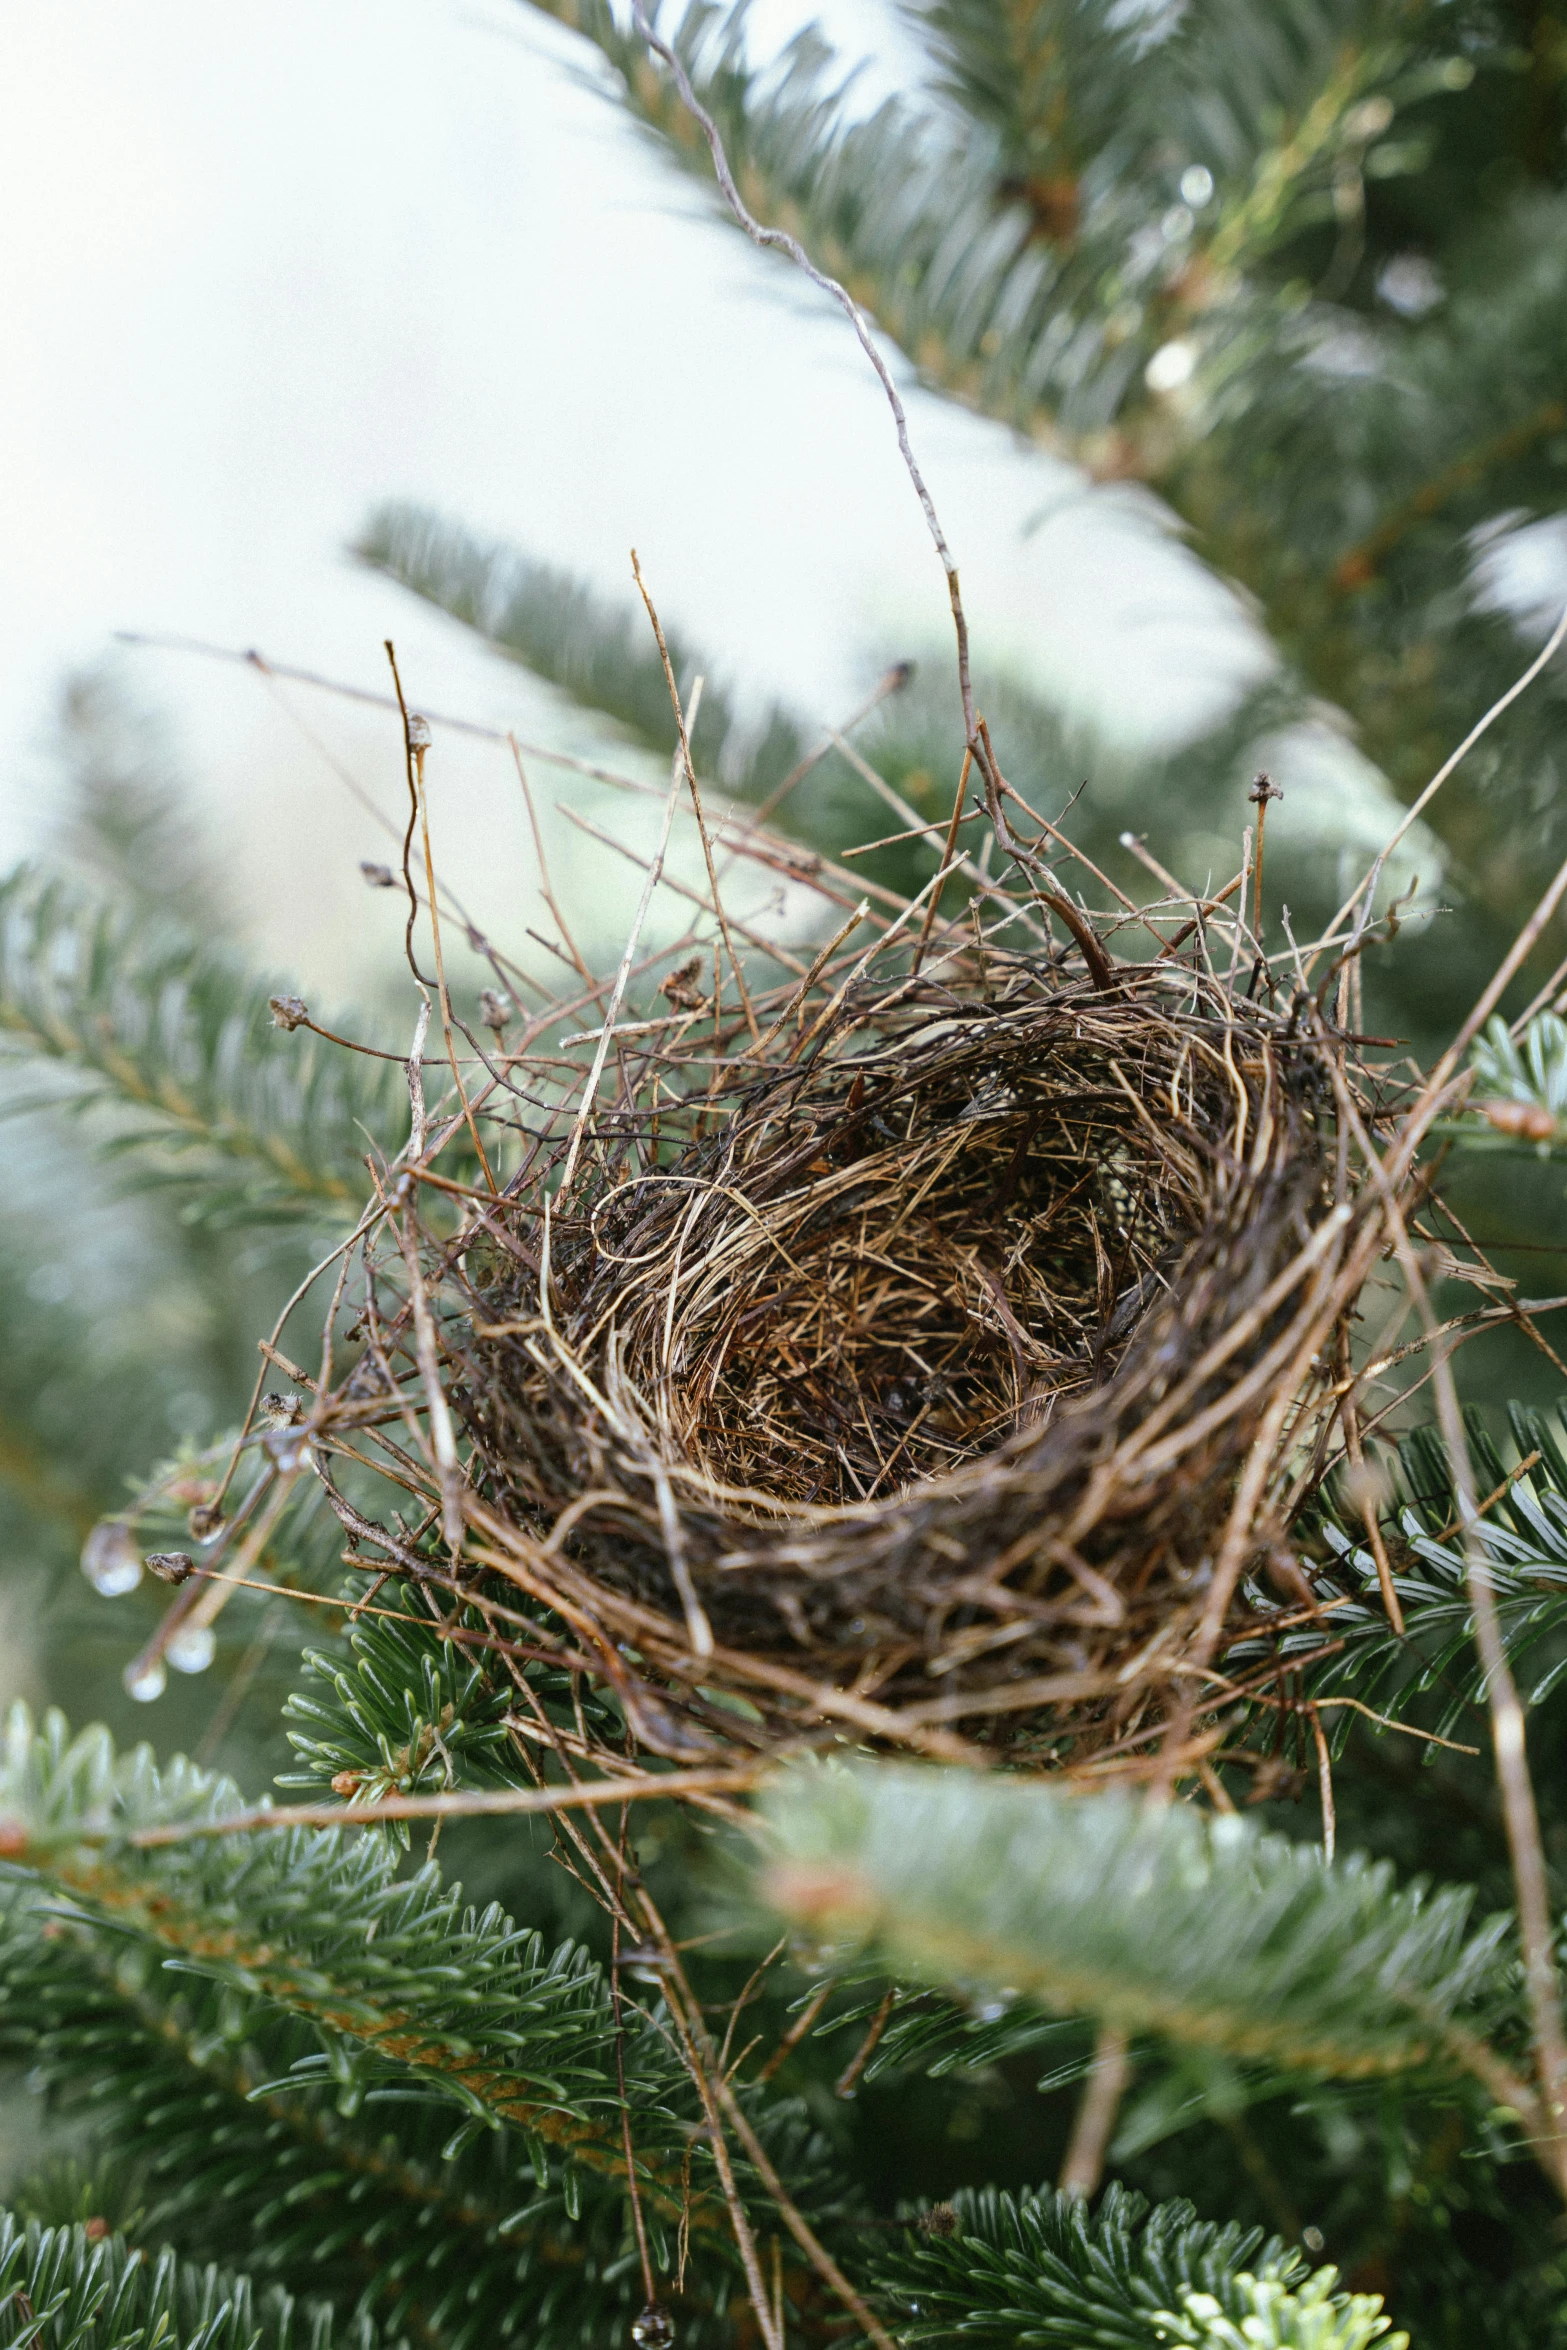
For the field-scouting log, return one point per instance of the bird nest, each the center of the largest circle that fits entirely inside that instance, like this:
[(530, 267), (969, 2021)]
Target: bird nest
[(937, 1346), (898, 1369)]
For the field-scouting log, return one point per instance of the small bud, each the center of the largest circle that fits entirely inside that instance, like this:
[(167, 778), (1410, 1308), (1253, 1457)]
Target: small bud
[(1263, 789), (419, 735), (1526, 1121), (95, 2230), (171, 1566), (111, 1561), (288, 1011), (680, 986), (346, 1783), (378, 876), (940, 2220), (13, 1839), (494, 1010)]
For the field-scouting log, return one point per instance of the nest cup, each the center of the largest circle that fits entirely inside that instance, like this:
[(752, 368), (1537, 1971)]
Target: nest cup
[(899, 1375)]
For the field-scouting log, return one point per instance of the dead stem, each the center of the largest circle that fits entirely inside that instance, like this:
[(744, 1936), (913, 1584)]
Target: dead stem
[(1101, 2102)]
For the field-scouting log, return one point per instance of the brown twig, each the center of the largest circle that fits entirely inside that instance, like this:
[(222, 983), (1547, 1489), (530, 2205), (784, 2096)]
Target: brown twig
[(1103, 2090)]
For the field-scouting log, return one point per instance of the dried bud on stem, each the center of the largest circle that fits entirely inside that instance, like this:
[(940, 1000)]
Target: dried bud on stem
[(171, 1566)]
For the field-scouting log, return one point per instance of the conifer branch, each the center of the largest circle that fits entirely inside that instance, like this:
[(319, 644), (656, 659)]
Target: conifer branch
[(409, 1995), (576, 640), (237, 2134), (74, 2289), (1151, 1921), (211, 1092), (1349, 1647), (996, 2269), (322, 1927)]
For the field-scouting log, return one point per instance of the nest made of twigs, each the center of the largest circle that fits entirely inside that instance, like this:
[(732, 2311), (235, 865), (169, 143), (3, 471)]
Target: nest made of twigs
[(901, 1373)]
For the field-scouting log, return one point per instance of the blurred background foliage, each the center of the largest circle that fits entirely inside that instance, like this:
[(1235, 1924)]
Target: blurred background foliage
[(1299, 272)]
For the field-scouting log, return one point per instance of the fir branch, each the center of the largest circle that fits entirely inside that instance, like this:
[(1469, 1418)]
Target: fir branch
[(129, 820), (409, 1994), (410, 1709), (1161, 1921), (1273, 2316), (433, 2030), (420, 1703), (71, 2290), (1010, 255), (593, 650), (1352, 1650), (1312, 456), (1520, 1088), (237, 2134), (997, 2269), (179, 1041), (466, 2007)]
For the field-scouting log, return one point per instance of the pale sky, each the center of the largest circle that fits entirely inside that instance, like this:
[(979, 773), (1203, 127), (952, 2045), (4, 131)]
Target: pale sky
[(266, 265)]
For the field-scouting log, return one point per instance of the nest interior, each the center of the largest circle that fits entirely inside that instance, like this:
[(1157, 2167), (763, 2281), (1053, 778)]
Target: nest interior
[(888, 1266), (917, 1364)]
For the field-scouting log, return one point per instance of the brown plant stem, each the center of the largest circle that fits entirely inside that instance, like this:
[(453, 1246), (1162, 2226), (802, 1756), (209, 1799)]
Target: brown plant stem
[(1525, 1845), (1097, 2108)]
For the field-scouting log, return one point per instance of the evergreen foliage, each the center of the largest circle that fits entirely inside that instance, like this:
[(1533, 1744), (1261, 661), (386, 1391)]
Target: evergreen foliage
[(600, 654), (410, 1710), (1274, 2318), (380, 2094), (1201, 1931), (251, 1121), (1354, 1649), (128, 824), (1527, 1073), (1041, 2268), (1270, 263), (69, 2287)]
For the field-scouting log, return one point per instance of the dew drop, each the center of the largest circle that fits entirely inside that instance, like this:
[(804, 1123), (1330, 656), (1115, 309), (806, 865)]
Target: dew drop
[(111, 1561), (289, 1449), (192, 1648), (145, 1682), (654, 2329)]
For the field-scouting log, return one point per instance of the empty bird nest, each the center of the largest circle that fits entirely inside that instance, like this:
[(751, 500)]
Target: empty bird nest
[(928, 1365)]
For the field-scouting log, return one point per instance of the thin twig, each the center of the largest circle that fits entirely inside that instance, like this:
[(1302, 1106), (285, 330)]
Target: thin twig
[(948, 846), (778, 240), (649, 1787), (622, 976), (696, 798), (1368, 885), (1325, 1784), (1101, 2101)]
